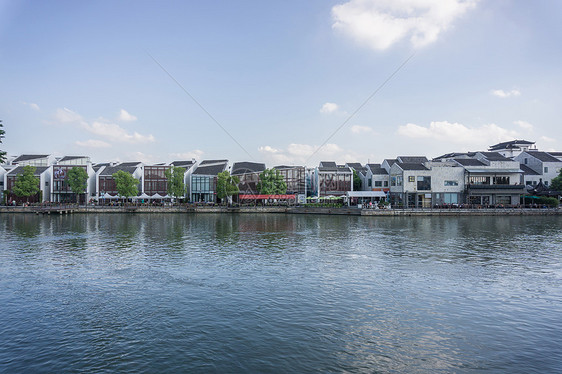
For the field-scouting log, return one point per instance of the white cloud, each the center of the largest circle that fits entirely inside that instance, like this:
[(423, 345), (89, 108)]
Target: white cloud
[(524, 125), (126, 116), (196, 154), (116, 133), (142, 157), (381, 23), (357, 129), (299, 154), (547, 139), (458, 133), (328, 108), (109, 131), (66, 115), (92, 143), (33, 106), (505, 94)]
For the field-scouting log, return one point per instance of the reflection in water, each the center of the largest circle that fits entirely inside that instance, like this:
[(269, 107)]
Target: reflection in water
[(256, 293)]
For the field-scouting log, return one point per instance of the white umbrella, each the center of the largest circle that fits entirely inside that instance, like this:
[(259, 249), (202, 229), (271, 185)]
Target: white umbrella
[(157, 196)]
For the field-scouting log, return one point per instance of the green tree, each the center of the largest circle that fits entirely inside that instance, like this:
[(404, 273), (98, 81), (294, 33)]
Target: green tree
[(76, 179), (176, 186), (2, 153), (227, 185), (271, 183), (26, 184), (356, 181), (126, 184), (556, 183)]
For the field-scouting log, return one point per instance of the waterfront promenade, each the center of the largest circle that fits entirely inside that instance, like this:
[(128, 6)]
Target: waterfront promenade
[(351, 211)]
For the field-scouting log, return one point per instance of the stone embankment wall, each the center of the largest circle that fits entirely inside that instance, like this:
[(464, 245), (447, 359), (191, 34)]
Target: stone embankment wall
[(287, 210)]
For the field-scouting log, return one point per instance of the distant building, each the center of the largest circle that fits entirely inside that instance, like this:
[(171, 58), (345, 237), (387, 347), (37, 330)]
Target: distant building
[(512, 148), (295, 178), (544, 164), (203, 180), (60, 189), (330, 179), (106, 183), (249, 175), (42, 172), (377, 178)]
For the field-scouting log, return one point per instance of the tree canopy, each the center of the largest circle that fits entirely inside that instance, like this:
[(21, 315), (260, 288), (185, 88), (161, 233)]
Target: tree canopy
[(2, 153), (26, 184), (271, 183), (126, 184), (556, 183), (176, 185), (76, 179), (227, 185), (356, 181)]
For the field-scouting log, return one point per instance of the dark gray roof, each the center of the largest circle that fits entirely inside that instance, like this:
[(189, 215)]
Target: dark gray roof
[(287, 166), (184, 164), (28, 157), (207, 162), (556, 154), (412, 159), (543, 156), (110, 170), (96, 167), (411, 166), (135, 163), (390, 161), (528, 171), (211, 167), (469, 162), (68, 158), (510, 145), (247, 167), (328, 164), (358, 167), (19, 170), (450, 155), (377, 169), (495, 156), (336, 169)]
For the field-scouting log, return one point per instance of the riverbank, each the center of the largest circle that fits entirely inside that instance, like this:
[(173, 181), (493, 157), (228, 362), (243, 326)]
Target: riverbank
[(350, 211)]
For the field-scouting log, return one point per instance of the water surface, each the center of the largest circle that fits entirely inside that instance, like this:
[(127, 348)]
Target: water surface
[(280, 293)]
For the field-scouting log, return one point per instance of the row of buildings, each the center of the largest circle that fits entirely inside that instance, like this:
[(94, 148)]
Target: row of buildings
[(499, 176)]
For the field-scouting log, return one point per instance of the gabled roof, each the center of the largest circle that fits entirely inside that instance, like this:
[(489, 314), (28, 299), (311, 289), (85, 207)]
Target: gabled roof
[(377, 169), (512, 144), (69, 158), (495, 156), (134, 163), (328, 164), (411, 166), (528, 171), (247, 167), (287, 166), (469, 162), (358, 167), (38, 170), (208, 162), (126, 167), (412, 159), (555, 154), (183, 164), (390, 161), (211, 167), (543, 156), (450, 155), (28, 157)]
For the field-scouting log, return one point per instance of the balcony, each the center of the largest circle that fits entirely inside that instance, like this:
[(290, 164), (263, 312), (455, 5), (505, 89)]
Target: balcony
[(515, 188)]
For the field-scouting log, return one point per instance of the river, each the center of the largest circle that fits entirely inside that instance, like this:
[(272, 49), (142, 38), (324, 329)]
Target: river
[(233, 293)]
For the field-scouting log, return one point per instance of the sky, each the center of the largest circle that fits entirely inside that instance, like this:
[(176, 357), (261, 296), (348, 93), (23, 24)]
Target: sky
[(280, 82)]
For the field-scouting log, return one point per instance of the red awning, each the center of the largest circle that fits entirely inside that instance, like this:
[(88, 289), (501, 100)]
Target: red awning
[(265, 197)]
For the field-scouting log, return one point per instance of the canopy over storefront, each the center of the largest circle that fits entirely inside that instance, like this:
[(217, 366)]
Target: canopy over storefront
[(267, 197)]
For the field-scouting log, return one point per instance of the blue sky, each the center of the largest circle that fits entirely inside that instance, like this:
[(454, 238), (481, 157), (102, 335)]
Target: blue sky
[(280, 77)]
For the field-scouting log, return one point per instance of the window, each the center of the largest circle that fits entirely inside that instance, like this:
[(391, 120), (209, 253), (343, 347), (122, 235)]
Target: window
[(378, 183), (546, 183), (370, 182), (386, 183), (411, 179), (451, 183), (450, 198), (501, 180), (393, 181), (546, 169), (399, 180), (479, 180), (424, 183), (526, 160)]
